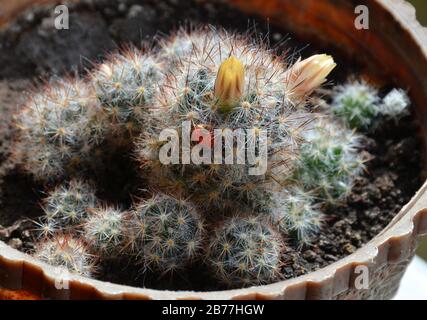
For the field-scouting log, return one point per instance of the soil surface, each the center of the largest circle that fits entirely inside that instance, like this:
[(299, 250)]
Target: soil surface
[(32, 48)]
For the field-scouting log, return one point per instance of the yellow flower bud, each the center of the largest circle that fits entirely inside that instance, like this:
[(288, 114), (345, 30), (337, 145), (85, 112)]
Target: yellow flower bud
[(307, 75), (229, 82)]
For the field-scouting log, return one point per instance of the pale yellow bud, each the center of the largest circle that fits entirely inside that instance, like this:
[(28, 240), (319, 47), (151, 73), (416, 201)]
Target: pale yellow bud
[(230, 82), (307, 75)]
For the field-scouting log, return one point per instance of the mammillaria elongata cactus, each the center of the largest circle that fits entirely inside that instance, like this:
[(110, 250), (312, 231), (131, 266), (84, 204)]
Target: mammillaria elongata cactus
[(69, 204), (395, 104), (66, 208), (329, 161), (295, 212)]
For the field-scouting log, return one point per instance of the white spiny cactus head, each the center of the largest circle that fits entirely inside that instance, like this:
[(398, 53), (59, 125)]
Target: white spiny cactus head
[(46, 228), (106, 231), (299, 80), (297, 214), (181, 44), (356, 103), (68, 205), (330, 159), (67, 252), (395, 104), (168, 233), (190, 93), (126, 85), (225, 80), (245, 251), (59, 126)]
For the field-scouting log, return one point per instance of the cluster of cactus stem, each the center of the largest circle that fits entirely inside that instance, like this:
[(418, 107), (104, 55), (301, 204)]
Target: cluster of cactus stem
[(359, 106), (221, 215)]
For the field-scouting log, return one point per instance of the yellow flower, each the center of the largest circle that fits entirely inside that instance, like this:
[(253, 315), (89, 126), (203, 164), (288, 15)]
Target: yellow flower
[(307, 75), (229, 82)]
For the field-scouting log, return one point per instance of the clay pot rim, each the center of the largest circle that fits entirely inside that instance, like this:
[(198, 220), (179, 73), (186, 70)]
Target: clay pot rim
[(389, 246)]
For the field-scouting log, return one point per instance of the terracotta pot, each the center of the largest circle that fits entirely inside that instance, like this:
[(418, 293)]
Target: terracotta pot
[(395, 47)]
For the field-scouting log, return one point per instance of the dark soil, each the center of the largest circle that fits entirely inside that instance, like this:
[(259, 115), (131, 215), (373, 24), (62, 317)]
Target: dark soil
[(33, 48)]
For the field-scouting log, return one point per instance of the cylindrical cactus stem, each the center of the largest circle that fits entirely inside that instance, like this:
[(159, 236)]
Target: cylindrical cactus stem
[(395, 105), (59, 128), (67, 206), (297, 214), (106, 231), (126, 85), (67, 251), (168, 233), (329, 161), (245, 251), (225, 81), (356, 103)]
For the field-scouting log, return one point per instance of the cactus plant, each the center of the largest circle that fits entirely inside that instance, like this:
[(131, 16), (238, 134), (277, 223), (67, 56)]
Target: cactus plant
[(105, 231), (357, 103), (201, 85), (68, 252), (179, 45), (297, 214), (126, 85), (395, 105), (68, 206), (168, 233), (59, 128), (329, 161), (245, 251), (225, 81)]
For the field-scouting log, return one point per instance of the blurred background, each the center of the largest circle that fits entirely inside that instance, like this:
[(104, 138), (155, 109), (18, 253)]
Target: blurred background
[(421, 6)]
